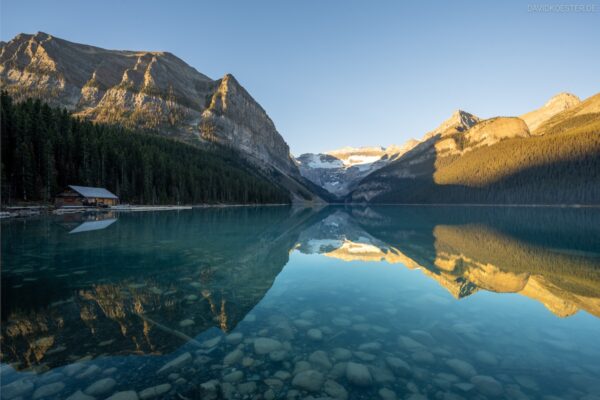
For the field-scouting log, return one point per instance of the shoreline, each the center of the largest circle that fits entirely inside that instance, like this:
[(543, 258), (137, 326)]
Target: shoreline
[(9, 212), (26, 211), (467, 205)]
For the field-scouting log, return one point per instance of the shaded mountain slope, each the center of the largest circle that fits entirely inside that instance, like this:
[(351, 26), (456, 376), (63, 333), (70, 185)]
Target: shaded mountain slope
[(498, 161)]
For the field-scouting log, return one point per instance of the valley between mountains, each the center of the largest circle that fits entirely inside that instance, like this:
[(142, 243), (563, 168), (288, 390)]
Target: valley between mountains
[(155, 130)]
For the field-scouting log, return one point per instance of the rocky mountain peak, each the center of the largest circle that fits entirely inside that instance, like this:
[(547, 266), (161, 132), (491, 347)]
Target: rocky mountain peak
[(463, 118), (555, 105), (459, 121), (564, 100)]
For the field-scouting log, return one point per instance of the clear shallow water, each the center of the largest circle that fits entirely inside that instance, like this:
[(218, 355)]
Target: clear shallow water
[(358, 303)]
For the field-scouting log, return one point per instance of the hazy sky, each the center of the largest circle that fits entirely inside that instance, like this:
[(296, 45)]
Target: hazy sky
[(337, 73)]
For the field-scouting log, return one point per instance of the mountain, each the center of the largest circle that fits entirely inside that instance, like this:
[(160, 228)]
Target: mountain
[(418, 159), (338, 171), (148, 90), (497, 160), (555, 105)]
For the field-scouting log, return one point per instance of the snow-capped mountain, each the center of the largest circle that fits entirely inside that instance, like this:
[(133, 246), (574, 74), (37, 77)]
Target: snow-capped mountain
[(339, 171)]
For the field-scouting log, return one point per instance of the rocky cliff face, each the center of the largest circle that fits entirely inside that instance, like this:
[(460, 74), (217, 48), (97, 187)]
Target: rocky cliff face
[(234, 118), (141, 89)]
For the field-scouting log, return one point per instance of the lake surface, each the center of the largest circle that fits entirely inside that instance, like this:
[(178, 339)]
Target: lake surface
[(277, 302)]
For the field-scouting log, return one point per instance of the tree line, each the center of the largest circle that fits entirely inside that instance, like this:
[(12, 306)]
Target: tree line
[(44, 149)]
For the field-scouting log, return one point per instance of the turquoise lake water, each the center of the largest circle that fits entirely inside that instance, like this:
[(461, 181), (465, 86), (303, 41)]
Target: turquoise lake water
[(278, 302)]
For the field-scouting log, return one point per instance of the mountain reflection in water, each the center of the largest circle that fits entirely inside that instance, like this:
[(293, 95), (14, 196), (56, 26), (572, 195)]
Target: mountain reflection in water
[(154, 283)]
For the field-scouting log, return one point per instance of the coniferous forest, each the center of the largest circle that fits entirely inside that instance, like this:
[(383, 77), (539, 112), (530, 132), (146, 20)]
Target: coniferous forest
[(44, 149)]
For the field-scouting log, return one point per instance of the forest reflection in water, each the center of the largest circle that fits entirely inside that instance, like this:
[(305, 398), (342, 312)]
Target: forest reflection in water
[(79, 294)]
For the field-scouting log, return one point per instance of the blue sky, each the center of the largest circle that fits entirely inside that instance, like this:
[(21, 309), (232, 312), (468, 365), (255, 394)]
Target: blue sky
[(337, 73)]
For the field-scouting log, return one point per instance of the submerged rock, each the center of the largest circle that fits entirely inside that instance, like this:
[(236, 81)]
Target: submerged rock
[(91, 370), (358, 374), (266, 345), (301, 366), (16, 388), (126, 395), (177, 363), (228, 390), (155, 391), (233, 357), (302, 323), (461, 368), (416, 396), (423, 337), (210, 390), (464, 386), (274, 383), (278, 355), (487, 385), (335, 390), (387, 394), (73, 369), (370, 347), (79, 395), (234, 376), (338, 321), (485, 357), (50, 377), (319, 359), (341, 354), (101, 387), (308, 314), (527, 382), (409, 343), (363, 356), (338, 371), (423, 357), (381, 375), (315, 334), (234, 338), (398, 365), (283, 375), (210, 343), (309, 380), (247, 388), (48, 390)]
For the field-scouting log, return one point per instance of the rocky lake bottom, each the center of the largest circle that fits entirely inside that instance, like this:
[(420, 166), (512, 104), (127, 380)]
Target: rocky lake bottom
[(284, 304)]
